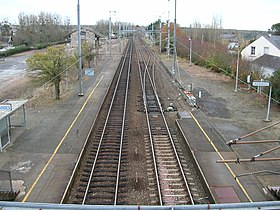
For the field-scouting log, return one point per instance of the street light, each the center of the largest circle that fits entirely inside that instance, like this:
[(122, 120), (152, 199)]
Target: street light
[(79, 53), (237, 65), (110, 32), (160, 34), (174, 46), (190, 39), (168, 37)]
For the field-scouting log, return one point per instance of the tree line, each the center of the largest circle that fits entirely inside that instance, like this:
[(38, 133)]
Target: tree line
[(211, 51), (35, 30)]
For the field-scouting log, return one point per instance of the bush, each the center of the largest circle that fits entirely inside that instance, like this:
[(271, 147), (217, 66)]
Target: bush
[(14, 51), (275, 82)]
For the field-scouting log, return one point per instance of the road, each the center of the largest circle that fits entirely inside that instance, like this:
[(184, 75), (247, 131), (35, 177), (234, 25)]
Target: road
[(12, 72)]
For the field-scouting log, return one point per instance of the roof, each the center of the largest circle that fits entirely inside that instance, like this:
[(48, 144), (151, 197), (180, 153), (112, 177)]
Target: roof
[(275, 40), (88, 29), (266, 60), (15, 105)]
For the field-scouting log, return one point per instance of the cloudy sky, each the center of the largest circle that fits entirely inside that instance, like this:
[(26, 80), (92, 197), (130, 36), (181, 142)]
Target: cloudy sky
[(237, 14)]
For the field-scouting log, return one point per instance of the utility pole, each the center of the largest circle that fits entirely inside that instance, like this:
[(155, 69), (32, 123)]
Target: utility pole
[(79, 53), (152, 33), (160, 34), (110, 32), (190, 39), (237, 64), (168, 36), (174, 70), (119, 37)]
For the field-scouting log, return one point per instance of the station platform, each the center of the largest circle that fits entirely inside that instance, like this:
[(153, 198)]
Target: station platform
[(212, 124), (206, 149), (41, 157), (41, 162)]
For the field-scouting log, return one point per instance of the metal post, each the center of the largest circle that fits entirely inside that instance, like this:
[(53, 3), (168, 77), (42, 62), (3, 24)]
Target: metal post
[(268, 104), (119, 37), (190, 39), (159, 34), (168, 37), (80, 53), (152, 34), (237, 64), (174, 71), (110, 34), (24, 116)]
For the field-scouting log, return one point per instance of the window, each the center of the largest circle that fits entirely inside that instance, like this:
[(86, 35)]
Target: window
[(253, 50), (266, 50)]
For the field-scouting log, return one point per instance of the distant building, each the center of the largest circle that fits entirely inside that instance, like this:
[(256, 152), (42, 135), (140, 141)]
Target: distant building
[(87, 35), (267, 44), (266, 65), (264, 54)]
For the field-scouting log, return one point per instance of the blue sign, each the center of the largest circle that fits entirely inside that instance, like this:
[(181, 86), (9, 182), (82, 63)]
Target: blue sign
[(5, 107), (89, 72)]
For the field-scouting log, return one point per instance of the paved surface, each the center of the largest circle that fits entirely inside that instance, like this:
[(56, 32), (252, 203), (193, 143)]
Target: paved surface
[(60, 130), (12, 71), (208, 145)]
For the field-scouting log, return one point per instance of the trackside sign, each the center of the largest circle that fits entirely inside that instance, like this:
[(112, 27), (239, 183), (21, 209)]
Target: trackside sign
[(261, 83), (5, 107)]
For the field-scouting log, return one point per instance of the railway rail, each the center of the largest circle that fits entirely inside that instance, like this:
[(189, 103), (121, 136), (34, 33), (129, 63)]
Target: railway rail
[(171, 182), (100, 180), (102, 176)]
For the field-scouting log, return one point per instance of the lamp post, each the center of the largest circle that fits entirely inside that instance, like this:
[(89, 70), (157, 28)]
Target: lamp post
[(168, 37), (190, 39), (237, 65), (110, 32), (174, 70), (79, 53), (160, 34)]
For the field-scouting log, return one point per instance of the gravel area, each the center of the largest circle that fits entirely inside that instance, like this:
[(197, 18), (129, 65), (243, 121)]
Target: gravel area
[(235, 114)]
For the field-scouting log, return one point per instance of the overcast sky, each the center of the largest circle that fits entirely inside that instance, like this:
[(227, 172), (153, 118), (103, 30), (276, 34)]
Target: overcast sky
[(235, 14)]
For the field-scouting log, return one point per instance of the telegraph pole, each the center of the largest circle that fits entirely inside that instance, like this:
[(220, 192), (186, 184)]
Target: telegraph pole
[(79, 53), (110, 32), (168, 36), (174, 70), (237, 65), (159, 34)]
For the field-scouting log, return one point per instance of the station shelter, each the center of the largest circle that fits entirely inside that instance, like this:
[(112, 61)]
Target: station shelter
[(8, 108)]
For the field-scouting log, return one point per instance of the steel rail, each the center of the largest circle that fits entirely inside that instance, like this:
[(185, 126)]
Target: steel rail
[(147, 117), (173, 146), (123, 123), (104, 128), (152, 80)]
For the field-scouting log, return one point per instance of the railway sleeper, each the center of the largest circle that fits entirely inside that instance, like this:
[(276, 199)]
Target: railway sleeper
[(104, 178), (103, 185)]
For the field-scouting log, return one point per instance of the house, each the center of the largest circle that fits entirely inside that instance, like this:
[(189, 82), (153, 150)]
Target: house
[(264, 54), (266, 65), (267, 44), (87, 35)]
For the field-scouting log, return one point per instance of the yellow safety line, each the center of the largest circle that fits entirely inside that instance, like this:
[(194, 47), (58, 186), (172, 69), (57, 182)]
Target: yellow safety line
[(58, 146), (228, 167)]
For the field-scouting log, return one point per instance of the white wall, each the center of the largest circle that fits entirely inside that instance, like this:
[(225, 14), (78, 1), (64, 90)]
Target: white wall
[(259, 45)]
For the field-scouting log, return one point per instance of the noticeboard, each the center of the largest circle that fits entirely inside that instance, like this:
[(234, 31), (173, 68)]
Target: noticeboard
[(261, 83), (5, 107)]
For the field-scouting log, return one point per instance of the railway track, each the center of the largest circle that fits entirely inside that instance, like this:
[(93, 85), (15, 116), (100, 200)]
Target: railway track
[(101, 180), (104, 175), (172, 186)]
